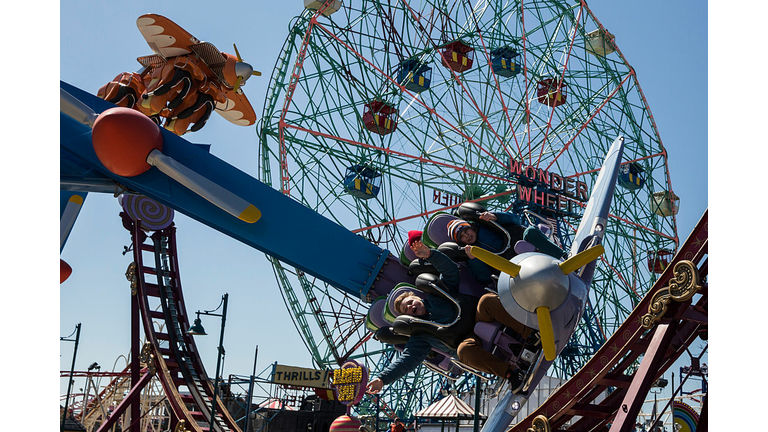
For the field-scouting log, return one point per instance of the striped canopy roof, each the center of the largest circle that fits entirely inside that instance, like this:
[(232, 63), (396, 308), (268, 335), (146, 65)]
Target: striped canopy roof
[(449, 407)]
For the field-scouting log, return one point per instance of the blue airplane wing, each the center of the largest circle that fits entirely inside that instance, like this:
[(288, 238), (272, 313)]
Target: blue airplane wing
[(287, 230)]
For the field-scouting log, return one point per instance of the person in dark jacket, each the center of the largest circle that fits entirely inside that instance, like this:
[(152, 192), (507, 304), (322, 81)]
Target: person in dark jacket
[(433, 308), (476, 234)]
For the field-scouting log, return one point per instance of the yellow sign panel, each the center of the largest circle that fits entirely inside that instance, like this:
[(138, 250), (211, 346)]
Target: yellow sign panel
[(344, 380), (350, 375), (300, 377)]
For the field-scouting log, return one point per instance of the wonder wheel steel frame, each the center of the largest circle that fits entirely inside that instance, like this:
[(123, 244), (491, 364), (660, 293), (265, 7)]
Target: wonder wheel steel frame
[(528, 137)]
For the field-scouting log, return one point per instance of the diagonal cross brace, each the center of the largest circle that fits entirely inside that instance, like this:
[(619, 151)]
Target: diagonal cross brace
[(126, 402), (644, 378)]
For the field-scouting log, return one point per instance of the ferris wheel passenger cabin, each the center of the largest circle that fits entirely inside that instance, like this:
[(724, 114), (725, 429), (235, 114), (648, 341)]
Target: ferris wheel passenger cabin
[(458, 56), (658, 260), (333, 7), (665, 203), (380, 117), (630, 176), (414, 76), (362, 182), (503, 61), (551, 92), (599, 42)]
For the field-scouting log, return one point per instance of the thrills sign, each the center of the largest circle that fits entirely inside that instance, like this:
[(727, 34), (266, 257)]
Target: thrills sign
[(549, 190), (300, 377)]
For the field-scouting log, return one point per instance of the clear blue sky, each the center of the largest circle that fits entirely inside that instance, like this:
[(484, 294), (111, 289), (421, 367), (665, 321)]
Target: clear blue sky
[(665, 41)]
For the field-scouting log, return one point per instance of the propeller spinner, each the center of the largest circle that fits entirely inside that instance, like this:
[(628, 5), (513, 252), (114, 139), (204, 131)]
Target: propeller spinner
[(243, 71), (540, 284)]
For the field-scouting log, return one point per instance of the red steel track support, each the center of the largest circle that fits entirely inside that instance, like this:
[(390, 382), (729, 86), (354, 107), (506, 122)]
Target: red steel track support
[(170, 350), (644, 377), (660, 329)]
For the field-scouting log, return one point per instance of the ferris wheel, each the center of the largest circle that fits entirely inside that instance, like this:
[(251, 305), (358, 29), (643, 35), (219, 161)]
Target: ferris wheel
[(382, 113)]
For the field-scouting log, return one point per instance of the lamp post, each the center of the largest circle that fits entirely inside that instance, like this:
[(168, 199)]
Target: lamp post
[(197, 329), (87, 393), (658, 384), (76, 340), (478, 391), (250, 392)]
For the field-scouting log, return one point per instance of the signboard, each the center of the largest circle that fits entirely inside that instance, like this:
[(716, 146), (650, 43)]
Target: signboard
[(547, 191), (299, 377), (349, 382)]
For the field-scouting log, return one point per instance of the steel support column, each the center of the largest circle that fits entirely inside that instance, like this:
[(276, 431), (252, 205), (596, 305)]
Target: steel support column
[(644, 377)]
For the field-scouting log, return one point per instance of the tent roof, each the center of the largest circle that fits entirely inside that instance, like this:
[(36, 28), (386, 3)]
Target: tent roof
[(449, 407), (72, 425), (277, 404)]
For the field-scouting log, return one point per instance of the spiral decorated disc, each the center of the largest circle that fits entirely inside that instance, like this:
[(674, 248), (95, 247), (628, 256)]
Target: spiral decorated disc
[(153, 215)]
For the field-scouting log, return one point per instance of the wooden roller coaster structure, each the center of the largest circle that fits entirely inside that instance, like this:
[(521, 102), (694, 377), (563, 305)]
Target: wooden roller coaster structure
[(169, 352), (660, 329)]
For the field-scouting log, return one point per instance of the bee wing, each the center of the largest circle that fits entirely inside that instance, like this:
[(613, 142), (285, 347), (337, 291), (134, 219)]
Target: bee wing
[(237, 109), (164, 36)]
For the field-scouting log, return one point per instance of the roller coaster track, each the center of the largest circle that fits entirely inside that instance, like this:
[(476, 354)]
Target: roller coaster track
[(171, 352), (154, 416), (111, 391), (660, 329)]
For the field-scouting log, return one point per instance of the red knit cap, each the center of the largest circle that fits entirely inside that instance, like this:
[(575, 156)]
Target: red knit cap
[(413, 235)]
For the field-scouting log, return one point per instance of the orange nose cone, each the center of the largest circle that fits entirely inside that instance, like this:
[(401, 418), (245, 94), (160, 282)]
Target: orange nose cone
[(229, 69), (122, 139), (66, 270)]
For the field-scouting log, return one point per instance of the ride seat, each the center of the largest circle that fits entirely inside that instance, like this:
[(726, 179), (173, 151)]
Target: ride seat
[(442, 360), (407, 255), (436, 231), (523, 246), (414, 264), (388, 311), (493, 334), (374, 319), (383, 313)]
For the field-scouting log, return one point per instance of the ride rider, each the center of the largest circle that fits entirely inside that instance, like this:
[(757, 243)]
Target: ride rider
[(433, 308), (477, 233)]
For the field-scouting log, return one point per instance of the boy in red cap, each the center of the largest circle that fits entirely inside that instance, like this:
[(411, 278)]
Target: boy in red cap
[(433, 308)]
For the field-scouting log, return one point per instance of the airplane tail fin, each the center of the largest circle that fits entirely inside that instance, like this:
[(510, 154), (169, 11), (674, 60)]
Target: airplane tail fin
[(595, 218)]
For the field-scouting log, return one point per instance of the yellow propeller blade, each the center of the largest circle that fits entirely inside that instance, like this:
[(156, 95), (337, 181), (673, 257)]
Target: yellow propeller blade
[(237, 84), (237, 53), (495, 261), (256, 73), (581, 259), (546, 332)]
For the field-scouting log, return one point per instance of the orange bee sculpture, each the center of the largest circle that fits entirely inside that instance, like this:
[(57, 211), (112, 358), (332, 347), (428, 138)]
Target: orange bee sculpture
[(184, 81)]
